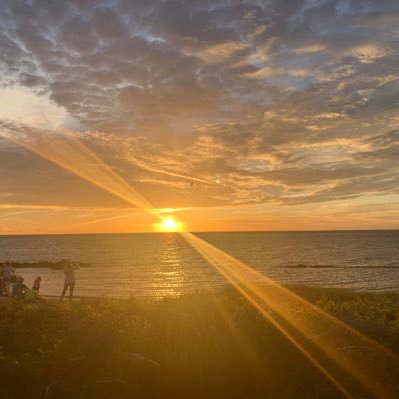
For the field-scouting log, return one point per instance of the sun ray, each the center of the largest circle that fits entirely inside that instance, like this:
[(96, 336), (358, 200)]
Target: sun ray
[(319, 328), (314, 327), (70, 153)]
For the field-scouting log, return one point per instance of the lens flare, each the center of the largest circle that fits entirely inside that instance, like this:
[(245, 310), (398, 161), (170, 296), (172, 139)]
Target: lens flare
[(345, 356), (319, 336)]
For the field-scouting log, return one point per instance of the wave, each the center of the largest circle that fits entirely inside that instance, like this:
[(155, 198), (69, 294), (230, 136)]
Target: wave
[(305, 266)]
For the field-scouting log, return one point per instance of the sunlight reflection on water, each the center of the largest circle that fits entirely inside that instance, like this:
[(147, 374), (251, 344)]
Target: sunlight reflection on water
[(159, 265)]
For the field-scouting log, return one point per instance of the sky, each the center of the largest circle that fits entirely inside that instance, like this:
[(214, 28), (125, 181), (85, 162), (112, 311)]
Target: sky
[(227, 115)]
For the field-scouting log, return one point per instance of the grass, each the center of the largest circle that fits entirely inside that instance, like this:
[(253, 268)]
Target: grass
[(204, 345)]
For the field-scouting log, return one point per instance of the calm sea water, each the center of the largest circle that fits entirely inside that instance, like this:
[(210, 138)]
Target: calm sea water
[(158, 265)]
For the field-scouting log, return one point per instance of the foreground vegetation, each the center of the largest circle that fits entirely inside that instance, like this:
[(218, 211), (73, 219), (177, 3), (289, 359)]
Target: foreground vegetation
[(198, 346)]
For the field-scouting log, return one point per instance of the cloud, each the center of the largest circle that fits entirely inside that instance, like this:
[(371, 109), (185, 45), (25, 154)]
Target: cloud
[(209, 102), (312, 48), (207, 173)]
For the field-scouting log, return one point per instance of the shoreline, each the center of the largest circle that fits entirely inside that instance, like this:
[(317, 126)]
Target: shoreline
[(305, 291)]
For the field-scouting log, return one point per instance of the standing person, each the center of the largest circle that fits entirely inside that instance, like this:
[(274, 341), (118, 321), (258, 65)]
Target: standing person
[(8, 271), (2, 282), (37, 283), (69, 271)]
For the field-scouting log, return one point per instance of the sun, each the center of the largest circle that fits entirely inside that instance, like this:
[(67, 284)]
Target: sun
[(169, 224)]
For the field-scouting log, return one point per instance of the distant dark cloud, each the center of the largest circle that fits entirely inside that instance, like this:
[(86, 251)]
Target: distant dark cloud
[(255, 101)]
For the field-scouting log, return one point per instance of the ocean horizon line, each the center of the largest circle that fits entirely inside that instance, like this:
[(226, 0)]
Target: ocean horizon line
[(198, 232)]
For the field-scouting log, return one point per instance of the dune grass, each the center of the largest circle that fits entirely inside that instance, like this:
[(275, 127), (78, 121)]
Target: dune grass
[(203, 345)]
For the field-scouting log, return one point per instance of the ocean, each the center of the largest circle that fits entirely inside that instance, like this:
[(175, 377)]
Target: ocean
[(159, 265)]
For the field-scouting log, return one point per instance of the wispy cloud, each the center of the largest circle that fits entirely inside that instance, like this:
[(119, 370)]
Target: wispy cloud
[(209, 103)]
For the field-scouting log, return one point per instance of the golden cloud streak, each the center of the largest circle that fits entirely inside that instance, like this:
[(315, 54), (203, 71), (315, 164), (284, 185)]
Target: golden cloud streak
[(71, 154)]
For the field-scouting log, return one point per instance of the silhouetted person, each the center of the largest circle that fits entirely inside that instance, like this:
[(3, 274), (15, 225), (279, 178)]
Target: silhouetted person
[(70, 280), (37, 283), (8, 271), (3, 287)]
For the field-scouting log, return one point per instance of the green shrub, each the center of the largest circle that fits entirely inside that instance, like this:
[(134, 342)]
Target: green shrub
[(200, 345)]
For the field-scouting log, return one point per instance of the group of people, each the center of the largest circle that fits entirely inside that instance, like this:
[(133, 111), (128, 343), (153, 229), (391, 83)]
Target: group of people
[(21, 292)]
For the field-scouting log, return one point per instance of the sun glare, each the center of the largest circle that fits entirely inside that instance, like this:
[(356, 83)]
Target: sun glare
[(169, 224)]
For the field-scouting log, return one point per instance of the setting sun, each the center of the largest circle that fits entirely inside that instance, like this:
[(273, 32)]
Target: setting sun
[(169, 224)]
